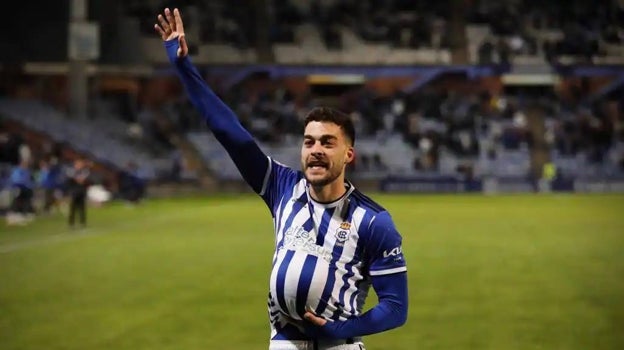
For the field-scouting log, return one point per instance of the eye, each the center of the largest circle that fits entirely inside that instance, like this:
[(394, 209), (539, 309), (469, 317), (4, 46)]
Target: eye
[(329, 143), (308, 142)]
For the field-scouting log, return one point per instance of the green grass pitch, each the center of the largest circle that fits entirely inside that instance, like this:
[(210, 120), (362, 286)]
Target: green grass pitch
[(486, 272)]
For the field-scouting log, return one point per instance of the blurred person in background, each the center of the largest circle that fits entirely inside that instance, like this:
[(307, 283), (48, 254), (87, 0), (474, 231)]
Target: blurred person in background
[(25, 153), (78, 181), (10, 147), (22, 185), (131, 184), (50, 181), (4, 146)]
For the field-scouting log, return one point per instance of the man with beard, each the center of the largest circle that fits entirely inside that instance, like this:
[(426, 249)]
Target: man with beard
[(332, 241)]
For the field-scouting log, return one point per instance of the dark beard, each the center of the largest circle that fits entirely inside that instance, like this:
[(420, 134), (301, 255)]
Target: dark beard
[(322, 182)]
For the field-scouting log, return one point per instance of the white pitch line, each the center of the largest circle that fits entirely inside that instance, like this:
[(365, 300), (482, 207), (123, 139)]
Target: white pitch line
[(59, 237), (75, 234)]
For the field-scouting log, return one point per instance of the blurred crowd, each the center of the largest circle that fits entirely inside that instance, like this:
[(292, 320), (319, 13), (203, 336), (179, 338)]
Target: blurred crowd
[(548, 29), (41, 181), (402, 23), (432, 120)]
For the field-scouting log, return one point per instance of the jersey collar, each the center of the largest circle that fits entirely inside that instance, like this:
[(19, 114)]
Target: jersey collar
[(334, 203)]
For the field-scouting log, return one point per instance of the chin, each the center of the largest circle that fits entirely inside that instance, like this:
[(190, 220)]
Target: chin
[(319, 183), (317, 180), (320, 180)]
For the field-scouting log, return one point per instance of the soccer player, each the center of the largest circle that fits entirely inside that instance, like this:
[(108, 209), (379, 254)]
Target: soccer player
[(331, 241)]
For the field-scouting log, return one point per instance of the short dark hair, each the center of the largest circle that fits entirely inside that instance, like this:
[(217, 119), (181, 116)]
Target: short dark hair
[(327, 114)]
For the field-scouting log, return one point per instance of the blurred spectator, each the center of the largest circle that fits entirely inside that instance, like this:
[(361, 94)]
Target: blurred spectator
[(4, 146), (177, 166), (131, 184), (504, 52), (486, 53), (51, 182), (22, 210), (78, 181), (10, 147), (25, 154), (429, 155)]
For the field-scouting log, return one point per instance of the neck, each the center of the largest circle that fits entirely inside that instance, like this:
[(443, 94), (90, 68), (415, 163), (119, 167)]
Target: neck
[(329, 192)]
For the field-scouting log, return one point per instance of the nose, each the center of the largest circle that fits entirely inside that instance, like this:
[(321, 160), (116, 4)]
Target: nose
[(317, 155), (317, 150)]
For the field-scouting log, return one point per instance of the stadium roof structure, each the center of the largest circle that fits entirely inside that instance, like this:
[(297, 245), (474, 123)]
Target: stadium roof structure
[(235, 74)]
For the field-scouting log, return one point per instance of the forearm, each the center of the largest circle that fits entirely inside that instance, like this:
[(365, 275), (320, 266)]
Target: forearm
[(390, 312), (216, 113), (240, 145), (384, 316)]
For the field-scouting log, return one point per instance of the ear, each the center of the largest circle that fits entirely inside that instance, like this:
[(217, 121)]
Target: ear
[(350, 155)]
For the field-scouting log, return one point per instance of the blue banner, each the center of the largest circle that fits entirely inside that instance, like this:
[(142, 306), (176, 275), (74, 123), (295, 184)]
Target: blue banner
[(424, 184), (599, 185)]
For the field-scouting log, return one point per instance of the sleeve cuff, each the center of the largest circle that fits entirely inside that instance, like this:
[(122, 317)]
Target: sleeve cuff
[(388, 271), (172, 49), (266, 177)]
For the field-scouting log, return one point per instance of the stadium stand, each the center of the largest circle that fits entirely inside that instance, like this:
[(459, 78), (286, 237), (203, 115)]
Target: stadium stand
[(105, 139), (399, 32), (429, 86)]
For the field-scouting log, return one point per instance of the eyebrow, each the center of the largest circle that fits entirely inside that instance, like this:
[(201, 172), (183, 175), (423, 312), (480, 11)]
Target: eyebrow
[(325, 137)]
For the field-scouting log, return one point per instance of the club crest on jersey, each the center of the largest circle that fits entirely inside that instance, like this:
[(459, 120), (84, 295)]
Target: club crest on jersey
[(342, 233)]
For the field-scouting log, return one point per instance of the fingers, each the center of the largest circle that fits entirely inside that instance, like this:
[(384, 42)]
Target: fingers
[(315, 320), (170, 23), (163, 23), (178, 21), (170, 19), (160, 31)]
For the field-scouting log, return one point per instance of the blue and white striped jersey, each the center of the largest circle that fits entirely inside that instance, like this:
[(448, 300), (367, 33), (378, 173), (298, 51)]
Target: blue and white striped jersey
[(325, 253)]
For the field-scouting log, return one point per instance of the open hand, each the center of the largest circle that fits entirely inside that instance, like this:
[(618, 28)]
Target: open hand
[(170, 27)]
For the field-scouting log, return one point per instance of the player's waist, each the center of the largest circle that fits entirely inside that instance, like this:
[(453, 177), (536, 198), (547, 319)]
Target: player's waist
[(323, 344)]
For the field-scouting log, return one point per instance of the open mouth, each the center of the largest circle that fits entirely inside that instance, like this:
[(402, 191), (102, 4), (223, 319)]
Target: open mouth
[(317, 164)]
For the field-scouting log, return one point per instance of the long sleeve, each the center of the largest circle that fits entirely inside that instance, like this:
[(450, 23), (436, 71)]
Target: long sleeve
[(387, 269), (390, 312), (240, 145)]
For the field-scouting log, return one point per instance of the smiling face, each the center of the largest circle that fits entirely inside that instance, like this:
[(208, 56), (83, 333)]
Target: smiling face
[(324, 153)]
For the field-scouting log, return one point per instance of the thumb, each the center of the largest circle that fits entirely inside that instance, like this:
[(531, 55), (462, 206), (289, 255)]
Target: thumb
[(183, 47)]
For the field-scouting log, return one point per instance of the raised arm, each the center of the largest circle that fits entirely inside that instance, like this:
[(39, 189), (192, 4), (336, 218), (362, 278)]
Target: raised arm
[(240, 145)]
